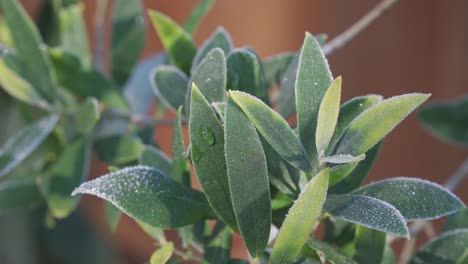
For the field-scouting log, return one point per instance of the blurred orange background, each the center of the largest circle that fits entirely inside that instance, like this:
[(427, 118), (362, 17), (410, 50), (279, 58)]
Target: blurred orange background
[(418, 46)]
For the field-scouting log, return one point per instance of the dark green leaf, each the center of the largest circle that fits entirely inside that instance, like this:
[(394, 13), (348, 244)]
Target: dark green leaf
[(87, 116), (300, 220), (170, 84), (313, 79), (150, 197), (153, 157), (446, 249), (180, 167), (177, 43), (376, 122), (18, 192), (327, 116), (219, 248), (368, 212), (274, 128), (117, 150), (128, 38), (207, 141), (248, 179), (65, 175), (24, 142), (448, 121), (219, 39), (286, 99), (30, 49), (369, 245), (245, 74), (84, 81), (113, 215), (73, 35), (416, 199), (352, 177), (198, 13), (350, 110), (331, 254), (162, 254), (457, 220), (276, 66)]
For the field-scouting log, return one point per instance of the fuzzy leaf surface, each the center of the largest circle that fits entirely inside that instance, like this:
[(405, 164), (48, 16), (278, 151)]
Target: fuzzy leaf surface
[(210, 76), (276, 66), (219, 39), (153, 157), (170, 84)]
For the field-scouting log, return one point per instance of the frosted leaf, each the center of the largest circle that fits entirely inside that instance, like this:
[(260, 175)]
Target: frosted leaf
[(343, 158)]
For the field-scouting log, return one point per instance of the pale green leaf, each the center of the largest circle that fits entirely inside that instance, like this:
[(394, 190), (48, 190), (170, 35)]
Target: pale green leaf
[(113, 215), (162, 254), (445, 249), (65, 175), (300, 220), (128, 38), (368, 212), (342, 158), (248, 179), (416, 199), (207, 141), (328, 116), (73, 35), (388, 255), (170, 84), (219, 39), (274, 129), (376, 122), (178, 44), (369, 245), (153, 157), (149, 196), (24, 142), (156, 233), (330, 253), (196, 16), (117, 150), (447, 120), (312, 80)]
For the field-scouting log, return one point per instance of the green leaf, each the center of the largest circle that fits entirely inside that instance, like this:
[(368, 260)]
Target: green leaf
[(300, 220), (416, 199), (388, 255), (350, 110), (355, 174), (178, 44), (457, 220), (219, 248), (153, 157), (18, 87), (342, 158), (128, 38), (312, 81), (219, 39), (87, 116), (30, 49), (180, 167), (73, 34), (24, 142), (287, 100), (117, 150), (328, 116), (65, 175), (245, 74), (276, 66), (248, 179), (447, 248), (149, 196), (196, 16), (207, 141), (170, 84), (368, 212), (331, 254), (369, 245), (162, 254), (84, 81), (113, 215), (18, 192), (156, 233), (447, 120), (210, 76), (274, 128), (376, 122)]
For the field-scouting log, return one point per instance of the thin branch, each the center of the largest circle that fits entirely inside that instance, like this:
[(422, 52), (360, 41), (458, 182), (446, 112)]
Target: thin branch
[(99, 19), (458, 177), (140, 120), (346, 36)]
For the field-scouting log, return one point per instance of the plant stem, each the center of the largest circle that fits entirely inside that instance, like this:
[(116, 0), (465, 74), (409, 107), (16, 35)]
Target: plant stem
[(99, 19), (364, 22), (457, 177)]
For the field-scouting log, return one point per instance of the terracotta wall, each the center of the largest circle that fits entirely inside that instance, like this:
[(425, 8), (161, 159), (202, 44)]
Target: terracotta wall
[(420, 45)]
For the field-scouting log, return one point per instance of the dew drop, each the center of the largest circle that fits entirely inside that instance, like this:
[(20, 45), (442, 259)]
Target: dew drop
[(208, 136), (196, 153)]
